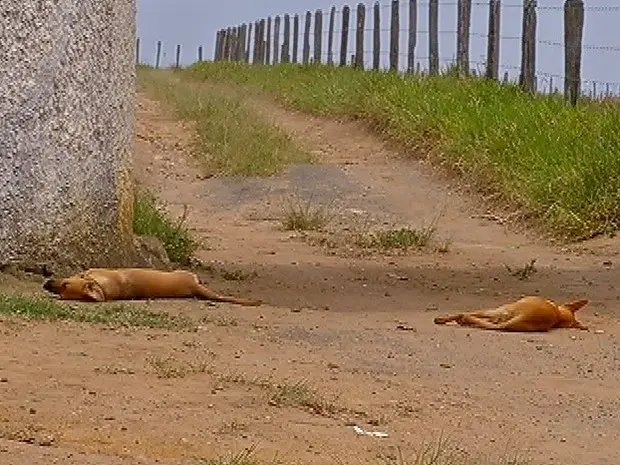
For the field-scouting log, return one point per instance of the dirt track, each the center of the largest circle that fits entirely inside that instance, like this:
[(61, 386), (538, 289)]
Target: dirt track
[(125, 397)]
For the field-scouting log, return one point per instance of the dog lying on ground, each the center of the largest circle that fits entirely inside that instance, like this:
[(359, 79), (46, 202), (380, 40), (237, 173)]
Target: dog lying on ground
[(527, 314), (106, 284)]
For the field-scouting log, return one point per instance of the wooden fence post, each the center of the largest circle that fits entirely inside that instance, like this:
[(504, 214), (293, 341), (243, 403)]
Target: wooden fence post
[(262, 46), (255, 50), (318, 35), (222, 49), (295, 37), (138, 51), (376, 37), (286, 40), (394, 35), (528, 47), (413, 31), (227, 40), (158, 54), (233, 44), (330, 36), (433, 37), (492, 71), (242, 42), (177, 61), (276, 40), (268, 40), (249, 43), (359, 36), (217, 46), (573, 35), (306, 46), (344, 38), (462, 41)]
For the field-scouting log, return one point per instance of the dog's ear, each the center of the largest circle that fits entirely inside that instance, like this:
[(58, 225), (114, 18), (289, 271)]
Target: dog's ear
[(93, 291), (576, 305)]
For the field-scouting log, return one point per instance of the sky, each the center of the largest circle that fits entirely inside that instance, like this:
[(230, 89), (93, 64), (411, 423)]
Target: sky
[(194, 23)]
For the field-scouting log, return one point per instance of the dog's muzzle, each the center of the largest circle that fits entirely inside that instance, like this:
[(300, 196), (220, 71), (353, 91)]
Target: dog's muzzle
[(49, 285)]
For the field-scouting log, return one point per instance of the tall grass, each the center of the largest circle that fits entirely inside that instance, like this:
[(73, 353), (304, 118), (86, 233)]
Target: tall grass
[(230, 138), (559, 165), (150, 220)]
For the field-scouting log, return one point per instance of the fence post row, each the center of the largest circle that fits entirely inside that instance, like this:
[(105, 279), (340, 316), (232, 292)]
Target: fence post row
[(236, 43)]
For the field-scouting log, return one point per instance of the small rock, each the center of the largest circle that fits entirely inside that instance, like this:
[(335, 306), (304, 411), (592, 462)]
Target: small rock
[(445, 365)]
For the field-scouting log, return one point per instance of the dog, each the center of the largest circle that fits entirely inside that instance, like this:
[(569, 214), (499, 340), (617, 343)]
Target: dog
[(527, 314), (106, 284)]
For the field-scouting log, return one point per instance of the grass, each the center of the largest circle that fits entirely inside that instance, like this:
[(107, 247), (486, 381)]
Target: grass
[(525, 272), (556, 164), (300, 215), (149, 220), (230, 137), (299, 394), (170, 367), (118, 315), (403, 238)]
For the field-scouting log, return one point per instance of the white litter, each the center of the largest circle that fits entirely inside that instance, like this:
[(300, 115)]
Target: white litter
[(376, 434)]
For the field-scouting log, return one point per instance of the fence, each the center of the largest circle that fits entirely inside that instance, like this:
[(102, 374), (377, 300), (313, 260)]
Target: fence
[(274, 40)]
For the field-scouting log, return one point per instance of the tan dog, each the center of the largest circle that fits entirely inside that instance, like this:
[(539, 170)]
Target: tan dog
[(105, 284), (528, 314)]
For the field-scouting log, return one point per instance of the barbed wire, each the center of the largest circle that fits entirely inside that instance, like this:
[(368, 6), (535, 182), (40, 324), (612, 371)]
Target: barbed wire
[(404, 5)]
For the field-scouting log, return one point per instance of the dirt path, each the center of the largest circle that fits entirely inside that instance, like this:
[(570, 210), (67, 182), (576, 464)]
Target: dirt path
[(144, 395)]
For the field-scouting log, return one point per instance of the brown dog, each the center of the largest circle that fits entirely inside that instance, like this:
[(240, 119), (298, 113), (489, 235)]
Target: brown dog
[(528, 314), (105, 284)]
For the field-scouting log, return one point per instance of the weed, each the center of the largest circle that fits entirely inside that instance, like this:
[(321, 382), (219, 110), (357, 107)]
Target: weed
[(402, 238), (555, 163), (149, 220), (230, 137), (170, 367), (444, 452), (525, 272), (299, 394), (245, 457), (115, 314), (300, 215)]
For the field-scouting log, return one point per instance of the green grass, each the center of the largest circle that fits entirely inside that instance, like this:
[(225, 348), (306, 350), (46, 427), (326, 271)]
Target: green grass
[(119, 315), (304, 215), (403, 238), (557, 164), (149, 220), (230, 137)]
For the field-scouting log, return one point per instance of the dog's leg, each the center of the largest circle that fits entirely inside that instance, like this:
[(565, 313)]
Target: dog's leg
[(442, 320), (205, 293)]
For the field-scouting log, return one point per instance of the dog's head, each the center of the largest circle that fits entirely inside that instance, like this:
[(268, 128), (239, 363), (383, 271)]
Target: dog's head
[(567, 314), (75, 288)]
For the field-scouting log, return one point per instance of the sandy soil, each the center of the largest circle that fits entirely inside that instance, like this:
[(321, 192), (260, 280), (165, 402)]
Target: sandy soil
[(346, 337)]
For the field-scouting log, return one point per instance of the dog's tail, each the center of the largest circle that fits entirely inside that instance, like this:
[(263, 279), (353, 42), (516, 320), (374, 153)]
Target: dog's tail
[(206, 294)]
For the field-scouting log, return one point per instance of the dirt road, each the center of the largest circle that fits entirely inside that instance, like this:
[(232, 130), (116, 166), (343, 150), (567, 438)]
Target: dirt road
[(293, 377)]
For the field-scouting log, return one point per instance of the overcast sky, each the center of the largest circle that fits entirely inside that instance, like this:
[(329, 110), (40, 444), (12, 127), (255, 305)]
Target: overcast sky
[(191, 23)]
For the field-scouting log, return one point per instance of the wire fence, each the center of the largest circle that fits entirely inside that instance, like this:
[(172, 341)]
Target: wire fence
[(413, 36)]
